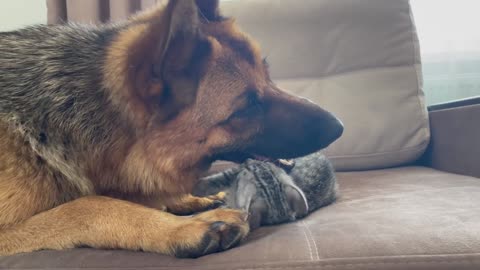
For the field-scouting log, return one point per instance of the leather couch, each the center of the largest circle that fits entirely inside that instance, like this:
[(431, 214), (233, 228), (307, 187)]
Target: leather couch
[(402, 205), (421, 216)]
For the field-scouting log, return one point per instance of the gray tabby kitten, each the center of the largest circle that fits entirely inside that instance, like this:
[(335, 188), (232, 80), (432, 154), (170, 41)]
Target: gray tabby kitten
[(271, 194)]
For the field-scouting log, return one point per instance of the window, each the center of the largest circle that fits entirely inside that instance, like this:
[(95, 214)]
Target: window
[(449, 33)]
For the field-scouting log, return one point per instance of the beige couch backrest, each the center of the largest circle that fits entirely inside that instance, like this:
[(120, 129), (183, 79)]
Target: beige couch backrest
[(358, 59)]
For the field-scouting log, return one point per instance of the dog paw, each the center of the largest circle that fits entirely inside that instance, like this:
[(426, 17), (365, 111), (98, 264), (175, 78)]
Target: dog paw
[(217, 200), (212, 232), (216, 204), (218, 197), (188, 204)]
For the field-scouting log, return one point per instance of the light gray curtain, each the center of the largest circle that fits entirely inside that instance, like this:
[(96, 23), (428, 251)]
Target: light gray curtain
[(93, 11)]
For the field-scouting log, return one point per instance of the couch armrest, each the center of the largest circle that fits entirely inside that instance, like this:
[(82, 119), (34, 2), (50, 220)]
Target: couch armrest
[(455, 137)]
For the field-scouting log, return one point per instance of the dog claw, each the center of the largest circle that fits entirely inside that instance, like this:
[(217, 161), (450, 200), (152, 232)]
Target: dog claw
[(218, 203)]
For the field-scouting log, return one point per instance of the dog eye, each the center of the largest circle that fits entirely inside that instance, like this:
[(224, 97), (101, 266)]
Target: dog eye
[(252, 99), (252, 106)]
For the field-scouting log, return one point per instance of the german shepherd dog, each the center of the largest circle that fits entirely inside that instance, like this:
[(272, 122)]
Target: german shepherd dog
[(105, 130)]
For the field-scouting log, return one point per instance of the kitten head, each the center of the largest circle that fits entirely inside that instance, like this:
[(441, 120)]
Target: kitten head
[(262, 189), (269, 194)]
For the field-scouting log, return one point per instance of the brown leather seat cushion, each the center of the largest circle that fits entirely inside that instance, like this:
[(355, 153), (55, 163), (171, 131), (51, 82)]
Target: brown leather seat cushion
[(405, 218)]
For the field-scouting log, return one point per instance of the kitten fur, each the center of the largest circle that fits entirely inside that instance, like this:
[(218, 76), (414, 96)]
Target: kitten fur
[(271, 195)]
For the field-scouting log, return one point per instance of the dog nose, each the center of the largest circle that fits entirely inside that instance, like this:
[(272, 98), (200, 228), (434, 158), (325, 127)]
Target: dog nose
[(331, 127), (322, 130), (334, 130), (338, 131), (294, 127)]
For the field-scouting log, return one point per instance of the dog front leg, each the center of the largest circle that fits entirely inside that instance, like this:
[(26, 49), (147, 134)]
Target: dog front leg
[(103, 222), (188, 204), (185, 204)]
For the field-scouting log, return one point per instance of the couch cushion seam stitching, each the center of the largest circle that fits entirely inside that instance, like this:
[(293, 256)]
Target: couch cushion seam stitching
[(317, 256), (308, 243)]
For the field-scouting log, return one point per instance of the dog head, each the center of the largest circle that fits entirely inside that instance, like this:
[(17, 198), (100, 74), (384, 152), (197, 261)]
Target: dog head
[(197, 89)]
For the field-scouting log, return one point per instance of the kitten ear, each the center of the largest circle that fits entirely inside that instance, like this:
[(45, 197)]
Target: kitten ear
[(206, 186), (212, 184), (296, 199), (247, 199), (245, 191)]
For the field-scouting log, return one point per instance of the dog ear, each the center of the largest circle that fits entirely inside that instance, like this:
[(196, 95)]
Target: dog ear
[(182, 58), (174, 53), (209, 10)]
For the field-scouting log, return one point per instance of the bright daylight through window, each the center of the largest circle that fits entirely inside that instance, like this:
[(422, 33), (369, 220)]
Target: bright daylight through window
[(450, 46)]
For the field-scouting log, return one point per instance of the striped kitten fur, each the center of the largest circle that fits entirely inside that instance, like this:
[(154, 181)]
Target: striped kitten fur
[(271, 195)]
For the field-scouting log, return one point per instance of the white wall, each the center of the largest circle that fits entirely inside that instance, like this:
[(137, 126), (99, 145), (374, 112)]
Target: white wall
[(19, 13)]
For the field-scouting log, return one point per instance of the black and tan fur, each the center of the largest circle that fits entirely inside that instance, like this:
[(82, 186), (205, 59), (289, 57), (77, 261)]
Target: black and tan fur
[(96, 121)]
